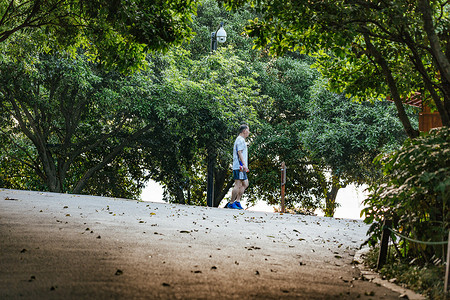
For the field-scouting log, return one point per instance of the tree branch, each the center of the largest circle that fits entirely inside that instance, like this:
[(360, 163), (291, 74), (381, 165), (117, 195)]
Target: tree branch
[(113, 154), (429, 84), (31, 165), (411, 132), (441, 60)]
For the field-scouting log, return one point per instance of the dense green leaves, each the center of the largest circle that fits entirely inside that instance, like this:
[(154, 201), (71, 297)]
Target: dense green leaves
[(70, 124), (415, 193), (326, 140), (206, 100), (367, 49), (66, 119), (115, 32)]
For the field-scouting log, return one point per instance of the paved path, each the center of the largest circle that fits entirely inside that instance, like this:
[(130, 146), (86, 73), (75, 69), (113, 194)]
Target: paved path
[(59, 246)]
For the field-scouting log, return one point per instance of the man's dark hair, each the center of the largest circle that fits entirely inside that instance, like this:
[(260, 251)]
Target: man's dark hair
[(243, 127)]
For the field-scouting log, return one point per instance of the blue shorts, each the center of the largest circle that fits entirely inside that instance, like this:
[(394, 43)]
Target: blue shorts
[(238, 175)]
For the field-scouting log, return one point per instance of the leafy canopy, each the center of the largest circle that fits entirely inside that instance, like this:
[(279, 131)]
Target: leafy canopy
[(117, 33), (369, 49)]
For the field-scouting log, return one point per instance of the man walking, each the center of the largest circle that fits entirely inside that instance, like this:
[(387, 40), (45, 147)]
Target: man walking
[(240, 168)]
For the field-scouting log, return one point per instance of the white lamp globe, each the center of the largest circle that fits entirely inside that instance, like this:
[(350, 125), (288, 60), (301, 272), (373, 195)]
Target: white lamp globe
[(221, 35)]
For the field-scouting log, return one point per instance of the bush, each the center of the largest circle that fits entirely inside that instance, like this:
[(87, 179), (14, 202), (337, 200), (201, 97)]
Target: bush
[(414, 193), (427, 280)]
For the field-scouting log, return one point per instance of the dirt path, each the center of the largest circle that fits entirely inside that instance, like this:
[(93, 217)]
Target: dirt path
[(58, 246)]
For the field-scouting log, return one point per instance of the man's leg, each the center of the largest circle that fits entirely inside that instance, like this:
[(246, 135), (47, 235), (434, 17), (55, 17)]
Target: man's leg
[(243, 186), (235, 191)]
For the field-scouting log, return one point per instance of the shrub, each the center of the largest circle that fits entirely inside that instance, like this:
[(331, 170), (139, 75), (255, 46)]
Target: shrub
[(414, 193), (427, 279)]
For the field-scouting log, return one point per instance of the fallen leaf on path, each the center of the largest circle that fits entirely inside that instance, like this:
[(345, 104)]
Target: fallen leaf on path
[(119, 272), (252, 248)]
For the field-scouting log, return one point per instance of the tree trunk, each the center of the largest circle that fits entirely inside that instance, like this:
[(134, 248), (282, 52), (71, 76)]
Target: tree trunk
[(330, 201), (417, 61), (211, 157), (371, 50), (179, 194), (440, 58), (220, 191), (34, 133)]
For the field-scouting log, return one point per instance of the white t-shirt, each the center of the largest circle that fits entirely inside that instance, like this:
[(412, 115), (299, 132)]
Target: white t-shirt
[(239, 145)]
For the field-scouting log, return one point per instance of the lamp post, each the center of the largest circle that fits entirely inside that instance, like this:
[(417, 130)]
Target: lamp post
[(218, 36)]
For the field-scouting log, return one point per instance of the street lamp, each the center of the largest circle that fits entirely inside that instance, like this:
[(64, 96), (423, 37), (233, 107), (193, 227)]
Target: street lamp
[(218, 36)]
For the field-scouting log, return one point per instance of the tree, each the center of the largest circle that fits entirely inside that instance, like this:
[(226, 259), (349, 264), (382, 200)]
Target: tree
[(190, 106), (118, 33), (207, 99), (286, 82), (66, 119), (344, 137), (366, 48), (326, 140)]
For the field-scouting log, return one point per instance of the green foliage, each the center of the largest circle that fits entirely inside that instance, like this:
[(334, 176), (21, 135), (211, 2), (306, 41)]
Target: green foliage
[(286, 82), (342, 137), (326, 140), (366, 49), (63, 119), (204, 102), (276, 144), (427, 279), (70, 124), (116, 33), (346, 135), (414, 193), (14, 171)]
